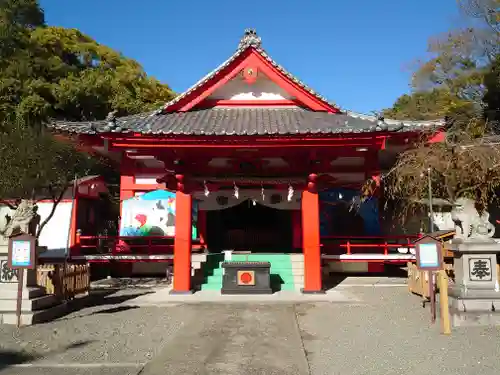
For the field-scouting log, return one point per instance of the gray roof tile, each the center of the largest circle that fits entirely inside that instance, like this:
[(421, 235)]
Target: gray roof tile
[(240, 121), (244, 120)]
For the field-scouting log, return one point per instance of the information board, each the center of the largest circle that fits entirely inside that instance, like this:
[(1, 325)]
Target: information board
[(22, 252), (429, 254)]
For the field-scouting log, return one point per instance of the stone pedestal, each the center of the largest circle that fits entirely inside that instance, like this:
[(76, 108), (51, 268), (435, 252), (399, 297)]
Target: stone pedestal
[(246, 278), (475, 294)]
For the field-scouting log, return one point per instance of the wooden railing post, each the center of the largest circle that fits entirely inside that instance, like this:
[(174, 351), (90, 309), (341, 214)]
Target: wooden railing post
[(443, 301)]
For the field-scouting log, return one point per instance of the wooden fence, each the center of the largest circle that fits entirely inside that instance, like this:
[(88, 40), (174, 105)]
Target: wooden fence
[(418, 281), (64, 281)]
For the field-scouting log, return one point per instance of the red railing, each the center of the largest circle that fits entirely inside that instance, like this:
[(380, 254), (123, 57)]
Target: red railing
[(121, 245), (366, 244)]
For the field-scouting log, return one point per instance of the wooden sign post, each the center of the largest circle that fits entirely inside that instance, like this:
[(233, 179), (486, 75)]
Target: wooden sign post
[(429, 258), (21, 256)]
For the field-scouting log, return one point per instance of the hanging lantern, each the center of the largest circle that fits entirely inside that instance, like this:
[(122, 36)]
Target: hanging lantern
[(205, 188), (290, 193), (236, 192)]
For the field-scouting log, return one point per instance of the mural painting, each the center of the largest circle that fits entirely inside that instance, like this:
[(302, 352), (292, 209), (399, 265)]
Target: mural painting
[(152, 214)]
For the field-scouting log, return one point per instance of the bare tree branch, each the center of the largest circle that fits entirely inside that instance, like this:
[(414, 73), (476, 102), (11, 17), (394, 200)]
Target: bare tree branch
[(55, 201)]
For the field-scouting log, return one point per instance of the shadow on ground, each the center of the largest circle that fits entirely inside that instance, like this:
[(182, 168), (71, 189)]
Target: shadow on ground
[(130, 282), (11, 357), (98, 298), (335, 279)]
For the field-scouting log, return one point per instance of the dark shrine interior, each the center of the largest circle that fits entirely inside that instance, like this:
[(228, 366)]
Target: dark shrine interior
[(250, 226)]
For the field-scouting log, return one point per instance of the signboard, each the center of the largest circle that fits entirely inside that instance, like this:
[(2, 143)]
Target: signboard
[(21, 256), (22, 252), (428, 253), (480, 269), (246, 277)]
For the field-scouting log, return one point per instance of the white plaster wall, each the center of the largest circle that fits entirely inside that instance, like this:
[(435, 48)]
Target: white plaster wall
[(56, 233), (262, 89), (146, 179)]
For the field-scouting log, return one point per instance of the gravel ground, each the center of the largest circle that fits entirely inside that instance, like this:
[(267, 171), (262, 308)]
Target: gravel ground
[(388, 333), (105, 333), (392, 334)]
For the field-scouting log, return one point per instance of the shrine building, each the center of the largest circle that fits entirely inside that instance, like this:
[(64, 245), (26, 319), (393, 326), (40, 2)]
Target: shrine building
[(249, 159)]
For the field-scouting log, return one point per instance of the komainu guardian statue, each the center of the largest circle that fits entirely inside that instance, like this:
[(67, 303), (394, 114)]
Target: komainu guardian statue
[(25, 219), (469, 224)]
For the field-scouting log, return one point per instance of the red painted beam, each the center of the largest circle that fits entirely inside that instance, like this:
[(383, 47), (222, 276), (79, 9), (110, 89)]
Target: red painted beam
[(210, 103)]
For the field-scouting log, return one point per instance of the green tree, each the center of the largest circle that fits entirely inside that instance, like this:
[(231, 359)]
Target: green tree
[(459, 82), (53, 72), (492, 95)]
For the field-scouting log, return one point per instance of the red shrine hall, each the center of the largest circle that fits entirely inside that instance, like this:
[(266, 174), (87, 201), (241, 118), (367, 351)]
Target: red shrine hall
[(251, 160)]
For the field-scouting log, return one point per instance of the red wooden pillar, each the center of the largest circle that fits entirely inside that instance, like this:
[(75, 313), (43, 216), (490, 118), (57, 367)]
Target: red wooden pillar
[(311, 238), (183, 239)]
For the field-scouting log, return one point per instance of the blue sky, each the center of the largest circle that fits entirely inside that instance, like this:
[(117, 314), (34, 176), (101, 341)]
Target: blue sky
[(355, 53)]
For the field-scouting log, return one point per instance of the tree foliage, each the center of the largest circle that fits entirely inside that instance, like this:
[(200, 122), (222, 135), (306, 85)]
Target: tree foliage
[(459, 82), (451, 81), (53, 72), (460, 167), (487, 11), (66, 74)]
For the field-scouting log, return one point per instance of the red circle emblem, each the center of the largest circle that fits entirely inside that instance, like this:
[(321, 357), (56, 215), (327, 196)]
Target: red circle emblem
[(246, 278)]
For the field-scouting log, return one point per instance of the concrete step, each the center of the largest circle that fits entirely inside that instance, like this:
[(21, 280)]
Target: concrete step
[(29, 318), (199, 257), (28, 305), (28, 293)]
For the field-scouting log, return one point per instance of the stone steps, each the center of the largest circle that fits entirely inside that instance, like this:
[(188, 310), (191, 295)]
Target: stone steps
[(289, 267), (28, 305), (34, 317)]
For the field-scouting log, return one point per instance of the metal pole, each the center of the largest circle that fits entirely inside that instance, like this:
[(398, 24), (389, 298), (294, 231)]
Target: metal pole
[(431, 212)]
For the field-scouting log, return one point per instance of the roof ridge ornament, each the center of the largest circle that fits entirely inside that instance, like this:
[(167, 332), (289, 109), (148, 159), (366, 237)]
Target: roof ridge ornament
[(250, 39)]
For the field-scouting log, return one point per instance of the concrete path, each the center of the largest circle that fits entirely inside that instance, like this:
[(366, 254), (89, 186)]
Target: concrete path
[(386, 333)]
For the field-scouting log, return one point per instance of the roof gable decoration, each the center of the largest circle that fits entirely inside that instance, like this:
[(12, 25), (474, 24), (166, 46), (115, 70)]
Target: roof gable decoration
[(291, 107), (251, 61)]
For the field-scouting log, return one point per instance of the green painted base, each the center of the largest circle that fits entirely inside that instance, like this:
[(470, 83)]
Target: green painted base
[(282, 277)]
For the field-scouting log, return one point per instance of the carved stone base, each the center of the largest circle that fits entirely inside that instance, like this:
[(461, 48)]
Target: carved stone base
[(474, 318), (471, 300)]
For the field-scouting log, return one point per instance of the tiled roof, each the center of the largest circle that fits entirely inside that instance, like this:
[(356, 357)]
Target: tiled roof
[(241, 121), (249, 40)]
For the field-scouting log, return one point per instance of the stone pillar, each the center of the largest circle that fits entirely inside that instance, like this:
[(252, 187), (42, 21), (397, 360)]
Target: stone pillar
[(183, 239), (476, 279), (311, 237)]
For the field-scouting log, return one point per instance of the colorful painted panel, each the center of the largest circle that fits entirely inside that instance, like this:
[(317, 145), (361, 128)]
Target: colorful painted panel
[(152, 214), (344, 207)]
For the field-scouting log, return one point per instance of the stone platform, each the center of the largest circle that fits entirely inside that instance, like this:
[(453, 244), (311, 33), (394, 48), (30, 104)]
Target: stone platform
[(163, 297)]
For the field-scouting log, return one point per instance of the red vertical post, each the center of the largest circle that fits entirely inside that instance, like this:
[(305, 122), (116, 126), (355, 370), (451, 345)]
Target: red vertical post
[(183, 240), (311, 238)]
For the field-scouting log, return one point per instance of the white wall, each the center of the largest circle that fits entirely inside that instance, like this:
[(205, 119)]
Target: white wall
[(238, 89), (56, 233)]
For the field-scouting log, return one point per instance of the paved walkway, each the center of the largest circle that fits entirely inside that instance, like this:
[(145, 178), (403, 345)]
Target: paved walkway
[(386, 332)]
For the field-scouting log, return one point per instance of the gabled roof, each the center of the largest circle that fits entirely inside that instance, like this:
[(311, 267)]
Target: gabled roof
[(249, 44), (181, 117)]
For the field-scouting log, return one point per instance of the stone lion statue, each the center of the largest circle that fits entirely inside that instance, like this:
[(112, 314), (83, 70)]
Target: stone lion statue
[(22, 220), (469, 224)]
